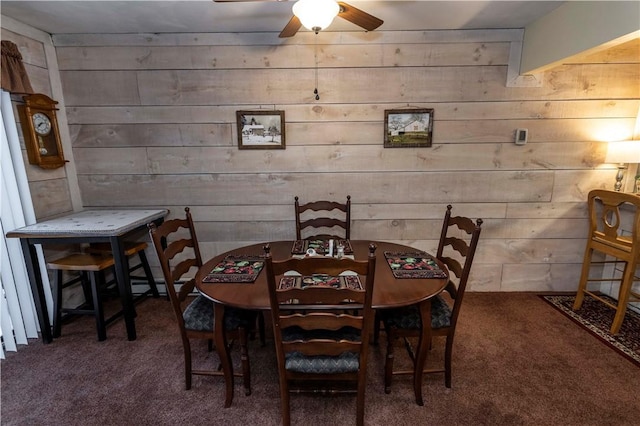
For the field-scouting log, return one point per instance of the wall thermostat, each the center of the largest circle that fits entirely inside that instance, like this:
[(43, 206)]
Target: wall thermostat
[(521, 136)]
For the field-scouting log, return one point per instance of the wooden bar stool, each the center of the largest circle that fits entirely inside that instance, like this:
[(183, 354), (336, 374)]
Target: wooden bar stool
[(130, 250), (92, 269)]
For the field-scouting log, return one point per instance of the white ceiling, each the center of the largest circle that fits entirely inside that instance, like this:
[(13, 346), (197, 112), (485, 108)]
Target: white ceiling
[(207, 16)]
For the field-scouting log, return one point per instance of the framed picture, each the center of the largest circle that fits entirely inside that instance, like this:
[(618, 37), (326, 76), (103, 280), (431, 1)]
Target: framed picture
[(408, 128), (260, 129)]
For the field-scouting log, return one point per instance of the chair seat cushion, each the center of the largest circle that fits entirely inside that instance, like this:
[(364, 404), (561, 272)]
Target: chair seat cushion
[(199, 316), (346, 362), (408, 318)]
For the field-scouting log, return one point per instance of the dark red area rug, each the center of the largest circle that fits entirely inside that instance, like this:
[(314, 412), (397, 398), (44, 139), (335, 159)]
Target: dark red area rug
[(596, 317)]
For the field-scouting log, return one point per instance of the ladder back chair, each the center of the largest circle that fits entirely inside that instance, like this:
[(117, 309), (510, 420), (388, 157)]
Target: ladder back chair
[(456, 249), (321, 325), (340, 219), (608, 237), (178, 252)]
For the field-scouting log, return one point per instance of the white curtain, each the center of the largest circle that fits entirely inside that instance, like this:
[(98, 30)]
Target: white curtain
[(18, 318)]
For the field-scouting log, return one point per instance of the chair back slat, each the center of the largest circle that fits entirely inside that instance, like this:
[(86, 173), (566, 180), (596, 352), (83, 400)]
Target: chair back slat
[(341, 222), (605, 221), (324, 320), (322, 347), (315, 296)]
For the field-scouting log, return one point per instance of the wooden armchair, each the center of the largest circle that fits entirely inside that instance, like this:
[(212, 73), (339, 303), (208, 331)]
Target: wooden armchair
[(341, 221), (319, 346)]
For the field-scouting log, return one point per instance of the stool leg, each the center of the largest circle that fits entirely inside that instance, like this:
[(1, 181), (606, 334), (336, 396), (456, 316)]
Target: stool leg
[(97, 307), (86, 288), (57, 303), (148, 273)]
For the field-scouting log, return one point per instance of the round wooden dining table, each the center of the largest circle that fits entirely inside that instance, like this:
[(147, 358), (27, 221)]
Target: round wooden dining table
[(389, 292)]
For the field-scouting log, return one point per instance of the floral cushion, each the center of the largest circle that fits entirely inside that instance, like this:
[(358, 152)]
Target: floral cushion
[(199, 316), (409, 317)]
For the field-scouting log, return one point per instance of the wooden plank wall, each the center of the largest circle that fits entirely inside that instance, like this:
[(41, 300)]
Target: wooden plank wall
[(49, 188), (152, 119)]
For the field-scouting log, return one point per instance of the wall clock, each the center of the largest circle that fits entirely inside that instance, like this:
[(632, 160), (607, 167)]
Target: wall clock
[(40, 129)]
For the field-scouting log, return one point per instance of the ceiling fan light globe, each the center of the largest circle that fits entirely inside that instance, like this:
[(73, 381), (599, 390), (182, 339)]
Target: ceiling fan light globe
[(316, 15)]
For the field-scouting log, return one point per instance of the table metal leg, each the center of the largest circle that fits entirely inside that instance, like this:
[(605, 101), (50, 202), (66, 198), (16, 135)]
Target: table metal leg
[(37, 289), (223, 352), (122, 277)]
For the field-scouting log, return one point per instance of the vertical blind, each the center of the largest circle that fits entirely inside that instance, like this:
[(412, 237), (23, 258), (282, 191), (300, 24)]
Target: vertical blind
[(18, 318)]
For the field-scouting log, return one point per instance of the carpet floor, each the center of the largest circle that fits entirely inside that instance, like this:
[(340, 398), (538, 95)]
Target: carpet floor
[(597, 317), (516, 361)]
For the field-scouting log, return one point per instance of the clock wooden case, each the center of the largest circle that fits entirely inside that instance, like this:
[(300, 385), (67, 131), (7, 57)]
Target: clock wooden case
[(41, 133)]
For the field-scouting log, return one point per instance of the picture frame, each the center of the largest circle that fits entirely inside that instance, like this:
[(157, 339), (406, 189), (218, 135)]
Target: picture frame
[(408, 128), (261, 129)]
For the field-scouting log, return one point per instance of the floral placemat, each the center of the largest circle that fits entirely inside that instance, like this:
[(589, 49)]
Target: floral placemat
[(320, 246), (236, 269), (413, 265), (321, 280)]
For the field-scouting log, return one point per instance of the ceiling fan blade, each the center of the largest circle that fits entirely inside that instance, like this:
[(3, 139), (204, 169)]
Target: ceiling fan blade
[(358, 17), (291, 28)]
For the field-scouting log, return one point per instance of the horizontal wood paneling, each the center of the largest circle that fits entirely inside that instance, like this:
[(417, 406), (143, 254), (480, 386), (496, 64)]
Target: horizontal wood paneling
[(542, 278), (278, 188), (153, 124), (339, 133), (132, 135), (39, 79), (355, 85), (254, 39), (331, 159), (32, 51), (499, 111), (50, 197), (288, 56)]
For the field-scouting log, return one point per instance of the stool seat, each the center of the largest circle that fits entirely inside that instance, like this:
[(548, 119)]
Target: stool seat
[(90, 265), (82, 262), (131, 248)]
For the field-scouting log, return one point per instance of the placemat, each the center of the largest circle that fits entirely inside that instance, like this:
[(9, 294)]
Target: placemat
[(320, 246), (236, 269), (413, 265), (320, 280)]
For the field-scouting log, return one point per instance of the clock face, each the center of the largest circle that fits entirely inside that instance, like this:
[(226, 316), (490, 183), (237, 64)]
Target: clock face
[(41, 123)]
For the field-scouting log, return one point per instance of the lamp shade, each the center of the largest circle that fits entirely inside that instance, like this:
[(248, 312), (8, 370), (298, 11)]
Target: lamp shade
[(623, 152), (316, 15)]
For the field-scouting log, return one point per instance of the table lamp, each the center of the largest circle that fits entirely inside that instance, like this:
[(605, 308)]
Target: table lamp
[(622, 153)]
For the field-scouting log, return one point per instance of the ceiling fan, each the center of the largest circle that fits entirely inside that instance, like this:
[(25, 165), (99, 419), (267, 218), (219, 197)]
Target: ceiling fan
[(316, 15)]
